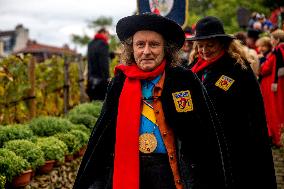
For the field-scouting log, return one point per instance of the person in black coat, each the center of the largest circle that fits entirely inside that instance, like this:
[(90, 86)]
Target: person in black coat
[(98, 65), (223, 67), (164, 137)]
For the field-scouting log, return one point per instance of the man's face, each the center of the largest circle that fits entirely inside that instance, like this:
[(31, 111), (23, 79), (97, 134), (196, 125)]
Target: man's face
[(148, 49), (187, 46), (209, 48)]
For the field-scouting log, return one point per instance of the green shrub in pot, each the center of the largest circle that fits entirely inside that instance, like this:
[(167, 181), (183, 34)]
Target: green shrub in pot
[(82, 137), (49, 126), (12, 165), (93, 108), (88, 120), (70, 140), (53, 148), (2, 182), (81, 127), (12, 132), (27, 150)]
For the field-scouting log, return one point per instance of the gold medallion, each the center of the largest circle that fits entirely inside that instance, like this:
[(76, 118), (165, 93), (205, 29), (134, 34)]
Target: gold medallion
[(147, 143)]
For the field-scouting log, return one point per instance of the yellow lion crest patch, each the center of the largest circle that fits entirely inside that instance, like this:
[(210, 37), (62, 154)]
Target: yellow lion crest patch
[(224, 82), (183, 101)]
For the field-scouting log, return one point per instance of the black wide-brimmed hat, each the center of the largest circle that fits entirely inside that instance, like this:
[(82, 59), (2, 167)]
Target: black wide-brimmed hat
[(209, 27), (169, 29)]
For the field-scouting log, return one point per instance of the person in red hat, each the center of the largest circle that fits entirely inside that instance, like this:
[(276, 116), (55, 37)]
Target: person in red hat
[(157, 128), (222, 65)]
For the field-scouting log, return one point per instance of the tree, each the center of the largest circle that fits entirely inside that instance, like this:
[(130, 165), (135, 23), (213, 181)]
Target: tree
[(225, 10), (102, 21), (80, 40)]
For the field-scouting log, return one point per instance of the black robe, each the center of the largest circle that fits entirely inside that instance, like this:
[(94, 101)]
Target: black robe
[(98, 69), (239, 105), (201, 150)]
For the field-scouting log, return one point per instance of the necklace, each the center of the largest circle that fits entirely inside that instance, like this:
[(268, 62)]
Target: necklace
[(147, 141)]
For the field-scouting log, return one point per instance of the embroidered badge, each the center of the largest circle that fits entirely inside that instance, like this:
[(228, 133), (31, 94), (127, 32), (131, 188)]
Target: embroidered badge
[(183, 101), (224, 82)]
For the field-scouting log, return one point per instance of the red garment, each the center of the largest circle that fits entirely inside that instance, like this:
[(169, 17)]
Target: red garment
[(280, 91), (201, 63), (274, 16), (267, 71), (126, 160), (102, 37)]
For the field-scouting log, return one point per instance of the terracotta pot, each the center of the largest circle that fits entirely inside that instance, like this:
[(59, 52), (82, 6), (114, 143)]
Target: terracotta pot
[(33, 173), (69, 158), (23, 179), (82, 151), (47, 167)]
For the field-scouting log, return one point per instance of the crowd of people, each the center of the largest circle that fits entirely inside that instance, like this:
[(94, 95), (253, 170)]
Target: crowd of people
[(197, 119)]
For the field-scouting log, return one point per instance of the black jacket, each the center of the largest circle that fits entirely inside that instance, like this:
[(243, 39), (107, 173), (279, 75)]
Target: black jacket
[(98, 69), (199, 140), (242, 115), (98, 59)]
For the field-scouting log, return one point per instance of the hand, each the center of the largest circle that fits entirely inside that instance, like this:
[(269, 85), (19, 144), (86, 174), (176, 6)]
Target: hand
[(274, 87)]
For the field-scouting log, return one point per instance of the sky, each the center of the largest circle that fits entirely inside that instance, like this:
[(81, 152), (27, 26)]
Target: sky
[(52, 22)]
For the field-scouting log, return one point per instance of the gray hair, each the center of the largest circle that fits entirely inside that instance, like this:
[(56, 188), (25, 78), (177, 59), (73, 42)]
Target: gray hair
[(172, 53)]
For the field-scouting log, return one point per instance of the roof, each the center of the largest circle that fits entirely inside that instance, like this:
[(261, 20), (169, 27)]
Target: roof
[(34, 47), (7, 33)]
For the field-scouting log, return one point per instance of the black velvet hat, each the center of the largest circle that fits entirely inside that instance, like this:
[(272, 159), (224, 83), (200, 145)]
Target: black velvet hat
[(170, 30), (209, 27)]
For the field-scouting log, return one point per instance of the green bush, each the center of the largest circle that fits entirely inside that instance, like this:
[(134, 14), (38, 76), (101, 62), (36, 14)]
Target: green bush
[(81, 127), (27, 150), (88, 120), (82, 137), (2, 182), (53, 148), (70, 140), (48, 126), (93, 109), (12, 165), (12, 132)]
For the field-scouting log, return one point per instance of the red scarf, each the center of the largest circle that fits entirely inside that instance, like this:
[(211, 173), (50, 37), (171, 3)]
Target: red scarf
[(126, 161), (102, 37), (202, 64)]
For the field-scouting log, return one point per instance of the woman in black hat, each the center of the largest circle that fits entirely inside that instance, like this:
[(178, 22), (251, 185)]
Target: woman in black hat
[(223, 67), (157, 128)]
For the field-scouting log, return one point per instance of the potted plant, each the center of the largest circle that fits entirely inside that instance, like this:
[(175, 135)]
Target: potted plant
[(16, 169), (27, 150), (73, 145), (86, 114), (49, 126), (12, 132), (88, 120), (92, 108), (81, 127), (83, 139), (2, 182), (53, 149)]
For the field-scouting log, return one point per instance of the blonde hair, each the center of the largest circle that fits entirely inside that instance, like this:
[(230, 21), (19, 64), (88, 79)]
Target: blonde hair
[(264, 41), (278, 35), (234, 48)]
